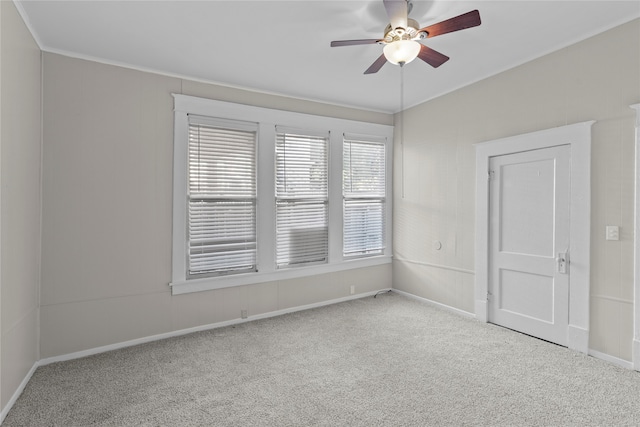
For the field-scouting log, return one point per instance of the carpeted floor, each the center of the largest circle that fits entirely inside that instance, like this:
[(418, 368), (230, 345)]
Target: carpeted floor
[(385, 361)]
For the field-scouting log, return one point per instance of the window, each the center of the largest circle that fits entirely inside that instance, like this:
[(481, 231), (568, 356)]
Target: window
[(302, 188), (263, 195), (364, 189), (222, 197)]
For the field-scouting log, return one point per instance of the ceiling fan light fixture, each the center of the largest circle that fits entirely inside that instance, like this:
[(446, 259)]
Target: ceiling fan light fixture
[(401, 51)]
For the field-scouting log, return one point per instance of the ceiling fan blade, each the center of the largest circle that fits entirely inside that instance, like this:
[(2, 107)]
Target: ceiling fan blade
[(375, 67), (353, 42), (397, 10), (432, 57), (466, 20)]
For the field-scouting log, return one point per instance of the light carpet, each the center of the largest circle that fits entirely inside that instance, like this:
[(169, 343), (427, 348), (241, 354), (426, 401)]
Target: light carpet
[(385, 361)]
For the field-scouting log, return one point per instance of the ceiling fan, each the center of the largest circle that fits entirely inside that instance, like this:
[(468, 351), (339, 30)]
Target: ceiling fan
[(401, 36)]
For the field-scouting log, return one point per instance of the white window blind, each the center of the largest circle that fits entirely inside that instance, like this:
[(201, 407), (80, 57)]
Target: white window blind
[(301, 198), (221, 197), (363, 185)]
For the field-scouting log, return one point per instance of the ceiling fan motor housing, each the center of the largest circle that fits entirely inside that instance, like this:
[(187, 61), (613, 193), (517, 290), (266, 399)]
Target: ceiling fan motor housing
[(410, 33)]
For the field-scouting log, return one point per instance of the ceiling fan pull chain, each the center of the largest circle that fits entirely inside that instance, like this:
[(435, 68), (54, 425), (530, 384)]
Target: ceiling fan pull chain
[(402, 128)]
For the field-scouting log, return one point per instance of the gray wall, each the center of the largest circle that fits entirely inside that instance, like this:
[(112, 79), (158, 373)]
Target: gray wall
[(107, 195), (20, 160), (596, 79)]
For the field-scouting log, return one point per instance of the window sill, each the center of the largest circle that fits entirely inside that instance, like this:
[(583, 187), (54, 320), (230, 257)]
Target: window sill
[(211, 283)]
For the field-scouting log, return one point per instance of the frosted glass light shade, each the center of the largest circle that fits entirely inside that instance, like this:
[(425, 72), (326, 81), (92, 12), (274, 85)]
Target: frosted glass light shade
[(401, 51)]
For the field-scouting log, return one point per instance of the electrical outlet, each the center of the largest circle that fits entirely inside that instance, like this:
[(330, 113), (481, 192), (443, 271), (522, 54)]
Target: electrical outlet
[(353, 289), (243, 314)]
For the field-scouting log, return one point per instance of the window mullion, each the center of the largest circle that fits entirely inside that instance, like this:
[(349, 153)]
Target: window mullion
[(266, 198), (335, 196)]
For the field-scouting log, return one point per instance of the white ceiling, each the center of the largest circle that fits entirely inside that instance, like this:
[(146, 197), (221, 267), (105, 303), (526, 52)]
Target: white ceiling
[(282, 47)]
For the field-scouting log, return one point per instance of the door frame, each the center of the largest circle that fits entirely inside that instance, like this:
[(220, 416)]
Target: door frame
[(636, 243), (578, 136)]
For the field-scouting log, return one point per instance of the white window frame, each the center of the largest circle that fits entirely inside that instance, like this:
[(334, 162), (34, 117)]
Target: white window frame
[(636, 240), (355, 196), (284, 198), (267, 120), (205, 126)]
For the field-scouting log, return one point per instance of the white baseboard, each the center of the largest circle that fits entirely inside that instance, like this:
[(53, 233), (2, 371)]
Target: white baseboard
[(437, 304), (611, 359), (636, 354), (18, 392), (116, 346)]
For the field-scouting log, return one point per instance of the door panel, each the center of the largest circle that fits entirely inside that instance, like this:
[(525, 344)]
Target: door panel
[(527, 207), (529, 227), (518, 289)]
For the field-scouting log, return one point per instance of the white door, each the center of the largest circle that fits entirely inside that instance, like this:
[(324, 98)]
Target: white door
[(529, 242)]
